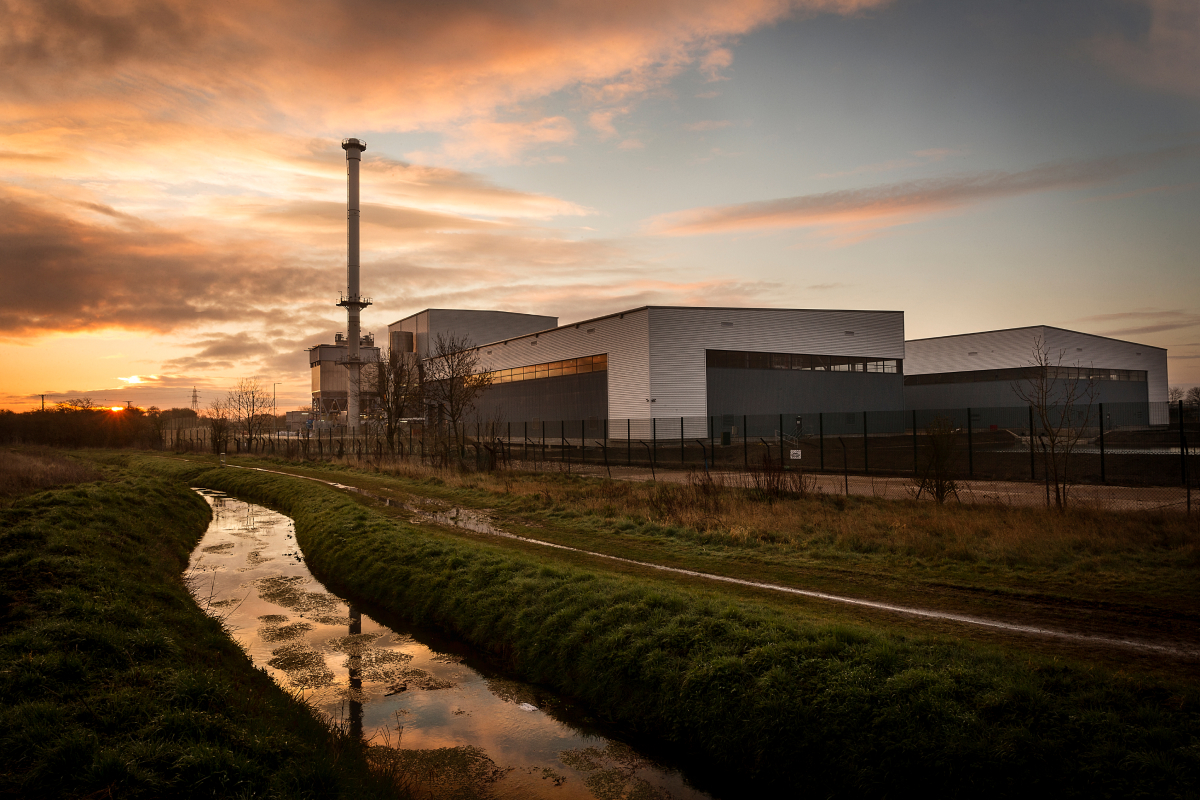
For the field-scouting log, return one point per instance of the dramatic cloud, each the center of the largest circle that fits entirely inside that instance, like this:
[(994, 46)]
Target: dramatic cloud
[(62, 274), (379, 64), (859, 211)]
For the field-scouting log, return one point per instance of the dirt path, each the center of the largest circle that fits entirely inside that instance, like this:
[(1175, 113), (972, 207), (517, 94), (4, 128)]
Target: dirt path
[(479, 523)]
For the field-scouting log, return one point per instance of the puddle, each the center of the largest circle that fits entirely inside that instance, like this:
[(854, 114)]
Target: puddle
[(454, 731)]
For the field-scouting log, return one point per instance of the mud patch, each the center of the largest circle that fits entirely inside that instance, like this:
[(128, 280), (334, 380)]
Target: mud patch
[(288, 591), (612, 772), (256, 559), (418, 679), (305, 667), (224, 548), (464, 771), (281, 633)]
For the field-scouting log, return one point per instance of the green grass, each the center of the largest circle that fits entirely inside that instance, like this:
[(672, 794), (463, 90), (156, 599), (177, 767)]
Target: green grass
[(882, 546), (113, 683), (749, 691)]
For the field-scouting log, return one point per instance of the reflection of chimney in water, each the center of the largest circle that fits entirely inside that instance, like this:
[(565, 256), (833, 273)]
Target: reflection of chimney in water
[(355, 667)]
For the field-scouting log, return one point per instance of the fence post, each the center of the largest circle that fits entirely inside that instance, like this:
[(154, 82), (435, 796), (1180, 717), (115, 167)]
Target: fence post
[(970, 448), (781, 441), (1103, 477), (1182, 447), (562, 434), (654, 438), (681, 442), (1032, 460), (628, 442), (745, 444), (712, 443), (866, 460), (916, 458), (821, 429)]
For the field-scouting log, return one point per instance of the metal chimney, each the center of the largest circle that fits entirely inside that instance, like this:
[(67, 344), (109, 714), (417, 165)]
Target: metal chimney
[(353, 302)]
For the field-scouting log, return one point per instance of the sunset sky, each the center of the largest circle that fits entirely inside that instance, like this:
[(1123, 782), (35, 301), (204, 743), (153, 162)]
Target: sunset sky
[(172, 186)]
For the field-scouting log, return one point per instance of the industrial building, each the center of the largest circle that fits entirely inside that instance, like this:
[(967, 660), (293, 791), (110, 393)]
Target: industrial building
[(671, 361), (330, 378), (418, 333), (984, 370), (733, 363)]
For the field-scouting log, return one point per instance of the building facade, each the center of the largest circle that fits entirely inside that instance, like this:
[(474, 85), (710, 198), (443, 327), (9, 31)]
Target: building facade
[(330, 378), (671, 362), (992, 369)]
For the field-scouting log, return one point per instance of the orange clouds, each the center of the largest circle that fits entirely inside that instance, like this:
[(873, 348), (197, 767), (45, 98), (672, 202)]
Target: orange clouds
[(855, 212), (369, 64)]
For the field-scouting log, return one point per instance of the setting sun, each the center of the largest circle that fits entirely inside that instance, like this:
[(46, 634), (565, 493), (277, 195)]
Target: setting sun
[(116, 408)]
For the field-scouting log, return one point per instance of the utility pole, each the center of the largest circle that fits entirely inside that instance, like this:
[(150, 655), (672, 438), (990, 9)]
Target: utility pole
[(43, 402), (195, 400), (274, 410)]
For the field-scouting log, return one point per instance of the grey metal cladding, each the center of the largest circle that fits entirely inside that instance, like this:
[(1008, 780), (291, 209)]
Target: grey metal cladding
[(1014, 348), (993, 394), (561, 398), (480, 327), (624, 338), (679, 337), (766, 391)]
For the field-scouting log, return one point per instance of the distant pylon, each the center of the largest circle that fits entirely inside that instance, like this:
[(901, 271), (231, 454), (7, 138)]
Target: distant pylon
[(195, 400)]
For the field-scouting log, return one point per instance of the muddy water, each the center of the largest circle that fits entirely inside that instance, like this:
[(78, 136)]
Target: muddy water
[(453, 730)]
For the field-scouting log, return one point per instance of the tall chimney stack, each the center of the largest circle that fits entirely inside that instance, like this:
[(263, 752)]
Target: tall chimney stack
[(353, 302)]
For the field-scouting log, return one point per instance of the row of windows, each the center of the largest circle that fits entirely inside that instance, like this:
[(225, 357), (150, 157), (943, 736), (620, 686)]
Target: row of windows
[(1027, 373), (741, 359), (552, 369)]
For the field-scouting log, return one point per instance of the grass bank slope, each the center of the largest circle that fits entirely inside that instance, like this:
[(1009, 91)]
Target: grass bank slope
[(112, 681), (754, 693)]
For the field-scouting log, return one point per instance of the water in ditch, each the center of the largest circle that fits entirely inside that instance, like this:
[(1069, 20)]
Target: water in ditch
[(457, 730)]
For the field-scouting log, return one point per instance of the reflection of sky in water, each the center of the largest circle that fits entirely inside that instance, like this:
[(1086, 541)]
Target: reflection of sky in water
[(248, 570)]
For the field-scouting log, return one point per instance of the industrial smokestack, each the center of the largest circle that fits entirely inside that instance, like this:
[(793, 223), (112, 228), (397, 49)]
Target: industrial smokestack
[(353, 302)]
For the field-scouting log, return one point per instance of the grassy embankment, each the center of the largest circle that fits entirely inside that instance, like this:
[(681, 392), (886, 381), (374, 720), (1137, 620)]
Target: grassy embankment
[(113, 683), (1114, 573), (749, 690)]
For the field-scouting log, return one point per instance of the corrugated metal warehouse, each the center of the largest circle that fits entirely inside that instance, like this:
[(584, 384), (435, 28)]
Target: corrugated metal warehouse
[(670, 361), (698, 363), (980, 370)]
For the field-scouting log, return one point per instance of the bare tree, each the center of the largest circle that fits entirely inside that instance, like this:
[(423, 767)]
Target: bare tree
[(1061, 399), (248, 404), (1174, 394), (453, 382), (395, 381), (216, 418), (1192, 396)]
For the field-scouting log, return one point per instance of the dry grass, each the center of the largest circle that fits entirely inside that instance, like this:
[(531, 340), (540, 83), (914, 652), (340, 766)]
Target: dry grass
[(28, 471), (737, 511)]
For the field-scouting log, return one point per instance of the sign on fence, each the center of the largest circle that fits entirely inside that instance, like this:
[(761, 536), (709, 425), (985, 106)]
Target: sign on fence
[(795, 455)]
